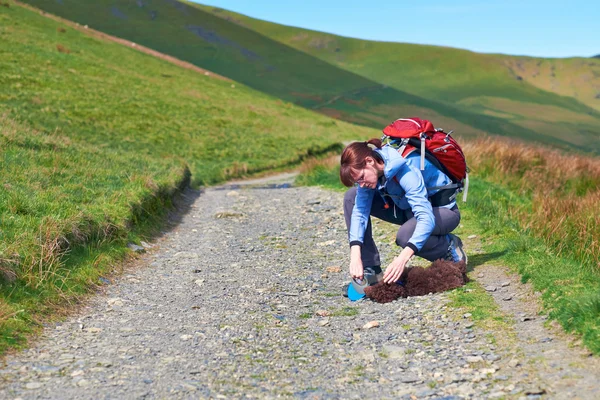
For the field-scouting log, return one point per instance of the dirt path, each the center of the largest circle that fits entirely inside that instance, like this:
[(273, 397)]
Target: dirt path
[(242, 300)]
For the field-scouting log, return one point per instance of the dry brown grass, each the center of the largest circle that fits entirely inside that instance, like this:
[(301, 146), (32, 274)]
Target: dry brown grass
[(311, 163), (564, 188), (62, 49)]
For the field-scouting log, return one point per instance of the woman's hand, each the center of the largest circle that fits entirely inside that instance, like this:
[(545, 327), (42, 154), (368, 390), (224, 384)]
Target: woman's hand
[(394, 271), (356, 265)]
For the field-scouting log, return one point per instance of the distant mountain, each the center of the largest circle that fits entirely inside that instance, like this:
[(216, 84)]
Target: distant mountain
[(596, 56), (365, 82)]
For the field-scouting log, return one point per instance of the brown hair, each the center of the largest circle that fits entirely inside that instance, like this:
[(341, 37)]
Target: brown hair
[(353, 158)]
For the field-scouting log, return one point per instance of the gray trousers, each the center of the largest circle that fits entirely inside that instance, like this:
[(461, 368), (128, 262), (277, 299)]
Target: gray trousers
[(436, 247)]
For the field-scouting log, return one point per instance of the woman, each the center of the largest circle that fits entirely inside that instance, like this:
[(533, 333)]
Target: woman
[(392, 188)]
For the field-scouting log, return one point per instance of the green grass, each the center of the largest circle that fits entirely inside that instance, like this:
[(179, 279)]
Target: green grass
[(345, 312), (96, 138), (372, 83), (320, 176), (570, 288)]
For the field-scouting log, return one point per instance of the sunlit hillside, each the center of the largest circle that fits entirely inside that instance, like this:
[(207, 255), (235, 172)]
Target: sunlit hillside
[(369, 83), (518, 89)]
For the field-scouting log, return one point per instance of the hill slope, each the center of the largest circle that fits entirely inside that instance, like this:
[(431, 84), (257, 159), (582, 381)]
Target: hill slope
[(469, 94), (522, 90), (420, 69)]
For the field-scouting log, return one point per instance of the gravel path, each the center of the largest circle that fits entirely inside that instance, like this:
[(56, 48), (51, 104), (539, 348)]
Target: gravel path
[(242, 300)]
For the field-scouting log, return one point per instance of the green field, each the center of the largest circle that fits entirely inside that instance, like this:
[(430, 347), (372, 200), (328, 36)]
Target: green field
[(95, 138), (363, 82)]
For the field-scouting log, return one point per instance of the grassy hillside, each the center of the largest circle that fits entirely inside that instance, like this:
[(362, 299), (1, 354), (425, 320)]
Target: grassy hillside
[(575, 77), (96, 137), (447, 73), (349, 79), (522, 90)]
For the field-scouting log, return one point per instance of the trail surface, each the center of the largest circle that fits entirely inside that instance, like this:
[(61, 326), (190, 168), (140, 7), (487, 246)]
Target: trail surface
[(241, 300)]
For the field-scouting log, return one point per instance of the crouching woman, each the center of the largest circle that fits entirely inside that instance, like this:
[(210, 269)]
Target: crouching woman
[(392, 188)]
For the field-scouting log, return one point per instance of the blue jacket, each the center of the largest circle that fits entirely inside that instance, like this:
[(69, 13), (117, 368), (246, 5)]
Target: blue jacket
[(407, 191)]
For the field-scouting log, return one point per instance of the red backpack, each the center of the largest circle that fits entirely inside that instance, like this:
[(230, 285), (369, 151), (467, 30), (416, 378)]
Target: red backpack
[(415, 134)]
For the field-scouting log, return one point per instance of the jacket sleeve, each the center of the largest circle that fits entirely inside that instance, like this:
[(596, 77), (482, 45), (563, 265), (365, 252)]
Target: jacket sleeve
[(412, 182), (360, 215)]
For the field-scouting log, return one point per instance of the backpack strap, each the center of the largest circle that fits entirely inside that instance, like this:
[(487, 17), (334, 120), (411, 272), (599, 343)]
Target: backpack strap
[(443, 197), (445, 194)]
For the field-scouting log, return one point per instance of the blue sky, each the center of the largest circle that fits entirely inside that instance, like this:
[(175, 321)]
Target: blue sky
[(536, 28)]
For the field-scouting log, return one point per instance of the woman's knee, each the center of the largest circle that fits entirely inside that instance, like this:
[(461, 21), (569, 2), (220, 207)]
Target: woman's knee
[(446, 220), (405, 232)]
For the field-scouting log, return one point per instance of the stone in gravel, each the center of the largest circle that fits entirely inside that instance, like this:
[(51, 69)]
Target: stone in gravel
[(136, 248), (146, 245), (371, 324), (115, 302), (334, 269), (490, 288), (527, 318), (83, 383), (471, 236), (33, 385), (469, 325), (480, 275), (505, 284), (229, 214), (199, 282), (394, 352), (185, 337), (313, 202), (508, 298), (474, 359), (409, 379), (323, 313), (327, 243), (104, 363), (536, 390), (324, 322), (232, 193), (93, 330), (77, 373), (467, 315), (513, 363)]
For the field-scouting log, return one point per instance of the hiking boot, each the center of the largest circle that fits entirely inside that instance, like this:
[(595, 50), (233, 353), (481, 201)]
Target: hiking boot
[(455, 253)]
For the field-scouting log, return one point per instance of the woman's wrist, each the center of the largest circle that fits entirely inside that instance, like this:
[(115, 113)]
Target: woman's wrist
[(407, 252)]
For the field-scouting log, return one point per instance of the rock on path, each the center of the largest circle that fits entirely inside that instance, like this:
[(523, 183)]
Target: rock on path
[(242, 300)]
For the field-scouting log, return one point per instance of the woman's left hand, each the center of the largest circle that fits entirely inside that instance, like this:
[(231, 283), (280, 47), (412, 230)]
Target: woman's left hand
[(394, 271)]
